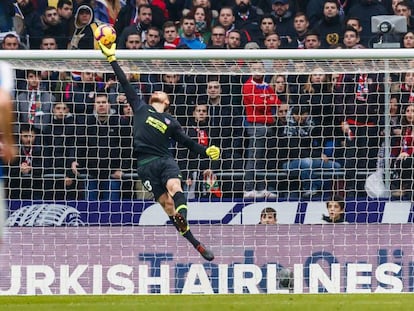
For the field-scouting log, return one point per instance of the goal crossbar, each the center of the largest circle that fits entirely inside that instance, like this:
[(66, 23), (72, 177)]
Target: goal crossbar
[(217, 61)]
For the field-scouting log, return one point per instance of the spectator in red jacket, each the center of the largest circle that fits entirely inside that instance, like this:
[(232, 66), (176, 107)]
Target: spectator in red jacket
[(258, 100)]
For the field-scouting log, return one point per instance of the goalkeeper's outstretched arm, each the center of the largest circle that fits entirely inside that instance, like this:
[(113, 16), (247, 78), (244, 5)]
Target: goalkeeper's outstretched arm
[(213, 152), (132, 97)]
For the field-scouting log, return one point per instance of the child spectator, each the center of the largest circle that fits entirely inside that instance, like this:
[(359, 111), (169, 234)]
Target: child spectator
[(336, 210), (268, 216)]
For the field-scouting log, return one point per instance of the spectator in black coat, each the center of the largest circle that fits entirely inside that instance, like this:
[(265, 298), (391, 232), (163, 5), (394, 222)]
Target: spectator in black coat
[(99, 155), (25, 173), (129, 15), (330, 27), (53, 26), (59, 141)]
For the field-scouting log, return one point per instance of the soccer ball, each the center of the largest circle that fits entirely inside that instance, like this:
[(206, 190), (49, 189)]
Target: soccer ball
[(105, 34)]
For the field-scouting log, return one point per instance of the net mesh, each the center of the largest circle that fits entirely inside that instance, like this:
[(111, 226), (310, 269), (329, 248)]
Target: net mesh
[(220, 66), (357, 89)]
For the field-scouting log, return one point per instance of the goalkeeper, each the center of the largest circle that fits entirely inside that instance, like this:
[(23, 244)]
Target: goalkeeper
[(154, 127)]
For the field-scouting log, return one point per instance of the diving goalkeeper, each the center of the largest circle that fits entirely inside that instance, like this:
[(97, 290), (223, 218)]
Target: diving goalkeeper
[(154, 127)]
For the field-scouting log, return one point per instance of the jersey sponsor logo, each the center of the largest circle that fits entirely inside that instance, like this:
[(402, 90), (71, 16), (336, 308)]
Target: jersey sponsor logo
[(159, 125)]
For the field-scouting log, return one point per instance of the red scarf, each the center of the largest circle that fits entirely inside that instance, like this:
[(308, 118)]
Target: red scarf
[(34, 104), (362, 89), (202, 137)]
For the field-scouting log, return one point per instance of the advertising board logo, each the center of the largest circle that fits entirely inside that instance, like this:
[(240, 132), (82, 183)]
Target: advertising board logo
[(45, 215)]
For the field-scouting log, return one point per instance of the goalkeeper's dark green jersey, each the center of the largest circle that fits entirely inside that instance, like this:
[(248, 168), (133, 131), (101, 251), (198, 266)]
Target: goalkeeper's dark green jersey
[(153, 130)]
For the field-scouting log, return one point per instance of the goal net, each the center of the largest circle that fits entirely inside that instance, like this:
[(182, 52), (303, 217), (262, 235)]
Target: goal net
[(297, 129)]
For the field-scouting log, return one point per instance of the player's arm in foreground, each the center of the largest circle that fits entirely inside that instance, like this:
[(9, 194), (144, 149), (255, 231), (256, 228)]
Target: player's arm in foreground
[(8, 148), (130, 93)]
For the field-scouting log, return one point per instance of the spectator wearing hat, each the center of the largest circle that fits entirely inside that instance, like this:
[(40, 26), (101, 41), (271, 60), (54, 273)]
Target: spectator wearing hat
[(85, 25), (284, 18)]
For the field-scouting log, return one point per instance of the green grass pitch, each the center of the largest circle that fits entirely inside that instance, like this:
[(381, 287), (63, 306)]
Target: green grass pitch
[(354, 302)]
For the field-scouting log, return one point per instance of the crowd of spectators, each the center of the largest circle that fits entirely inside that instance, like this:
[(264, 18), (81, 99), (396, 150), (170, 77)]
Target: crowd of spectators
[(199, 23), (74, 128)]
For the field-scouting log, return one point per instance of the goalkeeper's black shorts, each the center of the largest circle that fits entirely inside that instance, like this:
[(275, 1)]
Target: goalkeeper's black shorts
[(155, 174)]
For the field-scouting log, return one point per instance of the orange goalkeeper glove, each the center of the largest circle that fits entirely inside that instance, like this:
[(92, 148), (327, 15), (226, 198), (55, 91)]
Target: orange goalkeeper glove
[(213, 152), (108, 52)]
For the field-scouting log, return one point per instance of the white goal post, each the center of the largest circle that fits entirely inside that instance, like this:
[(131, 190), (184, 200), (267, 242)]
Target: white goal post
[(80, 60)]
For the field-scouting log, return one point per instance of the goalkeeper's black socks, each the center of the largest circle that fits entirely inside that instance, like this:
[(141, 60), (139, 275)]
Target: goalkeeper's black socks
[(174, 223), (187, 234), (180, 203)]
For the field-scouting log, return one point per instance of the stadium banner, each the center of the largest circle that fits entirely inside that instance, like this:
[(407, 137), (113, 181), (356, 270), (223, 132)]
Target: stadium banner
[(33, 213), (352, 258)]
